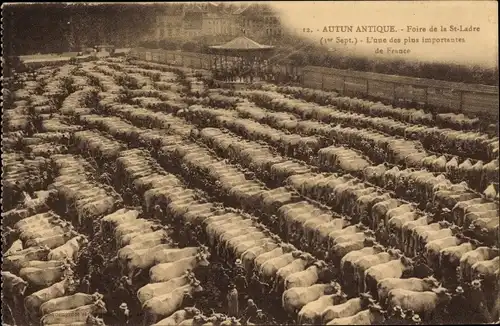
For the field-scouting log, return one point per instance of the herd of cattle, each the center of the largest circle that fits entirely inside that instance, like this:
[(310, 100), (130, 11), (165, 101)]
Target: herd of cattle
[(124, 182)]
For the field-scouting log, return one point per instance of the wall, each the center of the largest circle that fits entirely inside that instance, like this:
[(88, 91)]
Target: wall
[(469, 99)]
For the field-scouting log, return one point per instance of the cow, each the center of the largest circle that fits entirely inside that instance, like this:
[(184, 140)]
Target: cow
[(16, 246), (277, 252), (167, 271), (349, 308), (299, 264), (423, 303), (486, 268), (307, 277), (248, 257), (157, 289), (38, 277), (407, 231), (423, 233), (156, 233), (433, 248), (294, 299), (15, 262), (365, 262), (69, 250), (371, 316), (167, 304), (52, 241), (311, 313), (410, 284), (33, 302), (393, 268), (13, 287), (449, 258), (46, 231), (472, 257), (342, 249), (271, 266), (75, 315), (130, 250), (142, 259), (179, 316), (69, 302)]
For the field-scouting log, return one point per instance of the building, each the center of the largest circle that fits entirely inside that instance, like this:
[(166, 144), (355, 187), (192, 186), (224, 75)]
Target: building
[(259, 21), (190, 20), (169, 22)]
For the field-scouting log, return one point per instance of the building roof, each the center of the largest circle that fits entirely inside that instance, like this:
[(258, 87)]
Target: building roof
[(241, 43)]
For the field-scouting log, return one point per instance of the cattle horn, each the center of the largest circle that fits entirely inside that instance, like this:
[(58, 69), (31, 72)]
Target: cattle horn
[(97, 296), (366, 295)]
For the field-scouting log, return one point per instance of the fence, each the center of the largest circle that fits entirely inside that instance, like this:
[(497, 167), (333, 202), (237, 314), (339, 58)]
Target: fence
[(469, 99)]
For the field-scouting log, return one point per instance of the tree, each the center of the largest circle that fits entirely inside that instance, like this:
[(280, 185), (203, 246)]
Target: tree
[(298, 58)]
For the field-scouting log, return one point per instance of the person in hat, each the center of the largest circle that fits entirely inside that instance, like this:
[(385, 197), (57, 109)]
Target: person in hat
[(157, 212), (232, 301), (477, 296), (127, 196), (123, 314), (476, 284), (136, 201), (398, 313), (416, 319), (238, 265), (240, 279), (251, 310)]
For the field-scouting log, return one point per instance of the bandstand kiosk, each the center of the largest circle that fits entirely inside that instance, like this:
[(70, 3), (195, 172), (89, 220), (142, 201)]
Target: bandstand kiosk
[(240, 62)]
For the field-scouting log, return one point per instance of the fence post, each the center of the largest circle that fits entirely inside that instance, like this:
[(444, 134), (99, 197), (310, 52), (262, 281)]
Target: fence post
[(343, 86), (322, 81), (367, 87)]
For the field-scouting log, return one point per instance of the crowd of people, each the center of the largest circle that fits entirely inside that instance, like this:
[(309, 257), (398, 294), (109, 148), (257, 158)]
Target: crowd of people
[(238, 75), (251, 71)]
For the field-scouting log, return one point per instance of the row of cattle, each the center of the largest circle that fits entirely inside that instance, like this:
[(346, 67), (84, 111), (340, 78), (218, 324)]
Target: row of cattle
[(197, 158), (465, 144), (84, 119), (166, 194), (75, 190), (80, 138), (41, 246), (191, 162), (386, 146), (243, 236), (38, 266), (86, 142), (410, 182), (359, 199), (170, 277), (419, 116)]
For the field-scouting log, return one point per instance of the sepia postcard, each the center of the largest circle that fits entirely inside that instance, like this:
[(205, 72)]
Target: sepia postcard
[(250, 163)]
